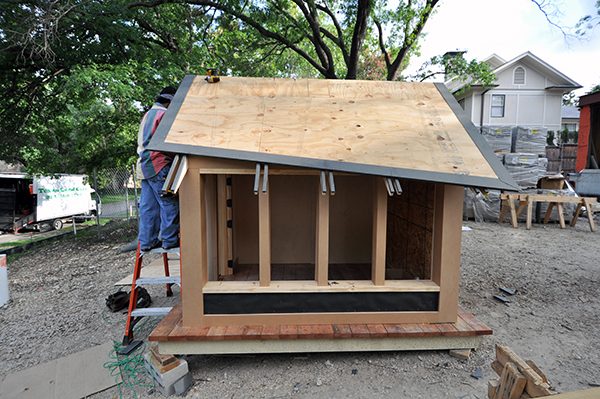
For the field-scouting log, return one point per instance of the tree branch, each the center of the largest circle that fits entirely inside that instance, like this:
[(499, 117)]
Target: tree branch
[(541, 5), (249, 21), (340, 34), (358, 36), (410, 38), (386, 56)]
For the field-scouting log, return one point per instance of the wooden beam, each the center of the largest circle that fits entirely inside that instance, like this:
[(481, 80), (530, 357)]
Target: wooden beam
[(194, 262), (222, 287), (223, 253), (447, 226), (322, 239), (264, 238), (380, 198)]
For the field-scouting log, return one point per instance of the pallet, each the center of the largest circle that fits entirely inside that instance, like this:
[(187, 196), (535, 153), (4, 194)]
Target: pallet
[(519, 379), (174, 338)]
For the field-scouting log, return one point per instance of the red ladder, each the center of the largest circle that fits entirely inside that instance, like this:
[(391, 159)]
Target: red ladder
[(133, 314)]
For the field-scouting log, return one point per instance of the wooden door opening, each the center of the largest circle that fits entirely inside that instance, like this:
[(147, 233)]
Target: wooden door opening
[(410, 232), (350, 228)]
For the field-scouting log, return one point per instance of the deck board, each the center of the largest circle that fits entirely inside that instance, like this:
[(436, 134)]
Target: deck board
[(170, 329)]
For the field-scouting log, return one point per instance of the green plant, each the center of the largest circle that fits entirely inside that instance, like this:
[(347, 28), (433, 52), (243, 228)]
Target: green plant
[(564, 136), (550, 137), (574, 136)]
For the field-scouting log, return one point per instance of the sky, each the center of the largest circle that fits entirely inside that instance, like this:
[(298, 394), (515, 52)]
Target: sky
[(511, 27)]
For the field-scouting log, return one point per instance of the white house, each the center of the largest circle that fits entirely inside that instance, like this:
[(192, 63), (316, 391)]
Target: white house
[(570, 118), (527, 93)]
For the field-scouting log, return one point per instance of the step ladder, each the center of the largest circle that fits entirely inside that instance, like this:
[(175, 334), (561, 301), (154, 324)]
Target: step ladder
[(134, 315)]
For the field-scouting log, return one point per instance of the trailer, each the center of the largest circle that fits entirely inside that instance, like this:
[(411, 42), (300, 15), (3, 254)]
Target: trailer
[(32, 201)]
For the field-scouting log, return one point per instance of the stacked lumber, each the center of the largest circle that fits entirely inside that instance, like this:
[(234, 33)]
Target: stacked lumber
[(519, 379)]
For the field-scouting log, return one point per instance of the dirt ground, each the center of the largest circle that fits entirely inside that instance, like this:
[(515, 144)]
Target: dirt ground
[(57, 308)]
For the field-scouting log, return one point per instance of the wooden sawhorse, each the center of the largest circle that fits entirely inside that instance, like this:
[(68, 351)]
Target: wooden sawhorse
[(507, 202)]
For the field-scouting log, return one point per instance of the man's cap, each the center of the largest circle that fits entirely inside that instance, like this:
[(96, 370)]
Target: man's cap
[(166, 94)]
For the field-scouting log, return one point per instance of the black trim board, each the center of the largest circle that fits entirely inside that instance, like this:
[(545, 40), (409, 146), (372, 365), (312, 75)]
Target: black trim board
[(503, 183), (320, 302)]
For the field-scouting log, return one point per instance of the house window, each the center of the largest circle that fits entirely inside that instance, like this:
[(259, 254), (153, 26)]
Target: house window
[(519, 76), (498, 101)]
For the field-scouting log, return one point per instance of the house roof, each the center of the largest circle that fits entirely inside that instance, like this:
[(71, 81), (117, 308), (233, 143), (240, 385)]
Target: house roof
[(560, 80), (592, 98), (395, 129), (569, 111)]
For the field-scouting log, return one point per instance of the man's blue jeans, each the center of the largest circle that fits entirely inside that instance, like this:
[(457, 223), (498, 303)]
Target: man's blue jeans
[(159, 216)]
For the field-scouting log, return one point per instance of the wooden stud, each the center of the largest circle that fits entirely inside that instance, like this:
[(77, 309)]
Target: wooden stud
[(193, 247), (222, 237), (264, 238), (379, 231), (446, 248), (590, 212), (561, 217), (322, 239), (212, 228)]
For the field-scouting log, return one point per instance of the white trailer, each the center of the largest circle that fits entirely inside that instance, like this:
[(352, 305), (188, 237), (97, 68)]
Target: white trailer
[(33, 201)]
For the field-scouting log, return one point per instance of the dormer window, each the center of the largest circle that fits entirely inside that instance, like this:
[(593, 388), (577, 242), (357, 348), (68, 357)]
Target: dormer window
[(519, 76)]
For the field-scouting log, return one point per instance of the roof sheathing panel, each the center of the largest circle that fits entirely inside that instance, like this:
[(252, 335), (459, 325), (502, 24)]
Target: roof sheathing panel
[(383, 128)]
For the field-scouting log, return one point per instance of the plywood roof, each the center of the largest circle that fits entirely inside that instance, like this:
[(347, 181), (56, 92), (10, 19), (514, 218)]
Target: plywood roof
[(399, 129)]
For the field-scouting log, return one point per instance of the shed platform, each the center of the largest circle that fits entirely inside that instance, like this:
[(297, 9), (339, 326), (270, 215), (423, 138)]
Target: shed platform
[(173, 338)]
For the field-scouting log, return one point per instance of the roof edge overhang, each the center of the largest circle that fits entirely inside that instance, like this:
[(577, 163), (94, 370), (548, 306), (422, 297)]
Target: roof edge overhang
[(592, 98), (504, 181), (563, 87)]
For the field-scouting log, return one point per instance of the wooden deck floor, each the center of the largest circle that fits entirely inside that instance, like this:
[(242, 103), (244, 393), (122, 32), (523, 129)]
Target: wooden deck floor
[(170, 329)]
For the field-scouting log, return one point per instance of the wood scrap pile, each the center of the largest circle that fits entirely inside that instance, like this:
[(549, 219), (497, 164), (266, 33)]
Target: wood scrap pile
[(519, 379)]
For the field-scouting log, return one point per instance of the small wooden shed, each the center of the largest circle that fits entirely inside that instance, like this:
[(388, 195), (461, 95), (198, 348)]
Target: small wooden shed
[(312, 210)]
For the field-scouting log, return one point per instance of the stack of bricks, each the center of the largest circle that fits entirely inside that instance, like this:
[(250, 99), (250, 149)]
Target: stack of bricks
[(171, 374)]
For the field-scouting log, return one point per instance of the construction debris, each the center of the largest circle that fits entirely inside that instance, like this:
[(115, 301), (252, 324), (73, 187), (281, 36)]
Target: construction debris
[(462, 354), (519, 379)]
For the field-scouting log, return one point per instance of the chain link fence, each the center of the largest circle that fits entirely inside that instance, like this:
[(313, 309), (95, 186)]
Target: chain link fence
[(118, 192)]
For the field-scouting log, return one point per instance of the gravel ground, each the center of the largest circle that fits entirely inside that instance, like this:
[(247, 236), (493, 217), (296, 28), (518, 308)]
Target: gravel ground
[(57, 308)]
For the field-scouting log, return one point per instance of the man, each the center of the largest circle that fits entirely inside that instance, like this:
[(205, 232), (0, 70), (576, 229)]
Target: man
[(159, 216)]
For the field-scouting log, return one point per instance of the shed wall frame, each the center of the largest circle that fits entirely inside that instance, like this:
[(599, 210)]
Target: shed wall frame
[(207, 245)]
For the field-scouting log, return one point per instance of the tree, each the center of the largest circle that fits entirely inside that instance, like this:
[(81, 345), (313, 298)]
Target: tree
[(77, 72), (330, 36), (570, 99)]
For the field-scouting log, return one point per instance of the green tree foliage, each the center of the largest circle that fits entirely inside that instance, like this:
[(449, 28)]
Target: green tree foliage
[(77, 74), (570, 99)]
